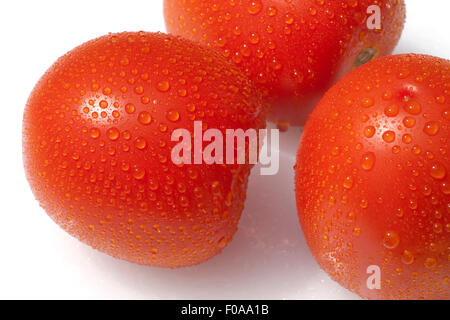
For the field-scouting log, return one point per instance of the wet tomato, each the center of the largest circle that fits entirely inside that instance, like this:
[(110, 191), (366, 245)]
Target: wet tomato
[(293, 50), (373, 179), (97, 147)]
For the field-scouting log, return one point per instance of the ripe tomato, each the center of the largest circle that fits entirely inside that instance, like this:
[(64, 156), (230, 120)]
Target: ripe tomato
[(293, 50), (373, 178), (97, 147)]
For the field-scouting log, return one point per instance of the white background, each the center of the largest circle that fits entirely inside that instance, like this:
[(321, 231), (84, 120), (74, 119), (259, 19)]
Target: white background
[(268, 257)]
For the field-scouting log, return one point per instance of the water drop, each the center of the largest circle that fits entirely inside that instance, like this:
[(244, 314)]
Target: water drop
[(407, 257), (389, 136), (369, 131), (254, 38), (416, 150), (222, 243), (446, 114), (130, 108), (431, 128), (368, 160), (438, 171), (139, 90), (445, 188), (430, 262), (124, 61), (125, 166), (173, 115), (113, 133), (163, 86), (255, 7), (107, 91), (368, 102), (440, 99), (144, 117), (407, 138), (271, 11), (364, 204), (103, 104), (437, 227), (387, 95), (289, 19), (348, 182), (409, 122), (413, 108), (140, 143), (94, 133), (139, 174), (391, 240), (391, 111)]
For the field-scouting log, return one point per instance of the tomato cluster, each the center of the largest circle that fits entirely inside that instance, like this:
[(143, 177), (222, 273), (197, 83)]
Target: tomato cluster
[(372, 172)]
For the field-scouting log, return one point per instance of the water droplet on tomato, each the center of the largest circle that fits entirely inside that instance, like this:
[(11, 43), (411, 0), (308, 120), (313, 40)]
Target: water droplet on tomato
[(409, 122), (431, 128), (368, 160), (254, 38), (94, 133), (348, 182), (445, 188), (144, 117), (254, 7), (391, 111), (140, 143), (163, 86), (407, 257), (222, 242), (173, 115), (430, 262), (367, 102), (389, 136), (103, 104), (446, 114), (438, 171), (271, 11), (413, 107), (113, 133), (139, 173), (391, 240), (130, 108), (407, 138), (369, 131)]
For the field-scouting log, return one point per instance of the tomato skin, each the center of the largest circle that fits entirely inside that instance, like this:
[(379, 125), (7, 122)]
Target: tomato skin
[(97, 147), (373, 175), (293, 50)]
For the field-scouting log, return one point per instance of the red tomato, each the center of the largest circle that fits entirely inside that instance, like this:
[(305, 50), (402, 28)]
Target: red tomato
[(97, 147), (293, 50), (373, 178)]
